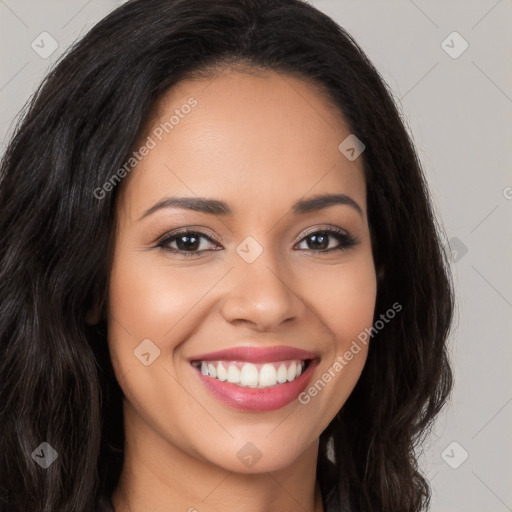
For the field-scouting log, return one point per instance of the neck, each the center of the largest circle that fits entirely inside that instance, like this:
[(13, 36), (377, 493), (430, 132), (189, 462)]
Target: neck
[(162, 477)]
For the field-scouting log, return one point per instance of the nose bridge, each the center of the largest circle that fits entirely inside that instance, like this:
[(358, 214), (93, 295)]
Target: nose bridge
[(260, 292)]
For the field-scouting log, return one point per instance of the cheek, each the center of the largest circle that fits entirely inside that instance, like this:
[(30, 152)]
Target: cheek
[(347, 301), (148, 300), (347, 304)]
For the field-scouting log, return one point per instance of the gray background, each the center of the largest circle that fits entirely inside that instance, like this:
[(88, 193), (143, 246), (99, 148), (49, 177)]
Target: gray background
[(459, 111)]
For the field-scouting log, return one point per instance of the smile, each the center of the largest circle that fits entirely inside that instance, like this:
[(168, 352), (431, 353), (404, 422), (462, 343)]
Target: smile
[(253, 375), (256, 379)]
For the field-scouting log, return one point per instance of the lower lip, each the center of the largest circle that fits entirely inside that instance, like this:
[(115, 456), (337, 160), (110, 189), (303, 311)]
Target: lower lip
[(258, 399)]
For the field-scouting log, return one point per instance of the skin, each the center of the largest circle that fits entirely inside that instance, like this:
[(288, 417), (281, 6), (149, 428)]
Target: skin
[(259, 142)]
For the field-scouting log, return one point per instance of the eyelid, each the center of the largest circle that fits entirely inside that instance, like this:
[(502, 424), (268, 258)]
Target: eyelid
[(323, 227)]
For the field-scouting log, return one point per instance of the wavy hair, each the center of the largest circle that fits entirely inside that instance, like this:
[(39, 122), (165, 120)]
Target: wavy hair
[(56, 378)]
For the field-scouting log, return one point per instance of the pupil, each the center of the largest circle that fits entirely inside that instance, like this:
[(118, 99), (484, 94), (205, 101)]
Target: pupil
[(187, 245), (320, 240)]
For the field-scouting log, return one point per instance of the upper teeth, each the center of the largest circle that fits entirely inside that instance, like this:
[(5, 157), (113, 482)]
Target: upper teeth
[(253, 375)]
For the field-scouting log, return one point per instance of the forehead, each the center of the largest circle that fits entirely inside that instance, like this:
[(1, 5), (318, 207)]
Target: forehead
[(244, 137)]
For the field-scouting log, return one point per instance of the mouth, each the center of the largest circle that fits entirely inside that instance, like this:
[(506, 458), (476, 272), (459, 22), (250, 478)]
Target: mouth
[(256, 378)]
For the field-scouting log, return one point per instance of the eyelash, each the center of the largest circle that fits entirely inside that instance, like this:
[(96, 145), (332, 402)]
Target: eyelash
[(346, 241)]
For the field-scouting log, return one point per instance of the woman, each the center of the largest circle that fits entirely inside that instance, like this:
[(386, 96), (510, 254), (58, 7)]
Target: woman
[(222, 278)]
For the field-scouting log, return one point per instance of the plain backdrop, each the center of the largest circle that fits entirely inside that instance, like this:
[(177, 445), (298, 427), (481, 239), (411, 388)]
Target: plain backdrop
[(448, 65)]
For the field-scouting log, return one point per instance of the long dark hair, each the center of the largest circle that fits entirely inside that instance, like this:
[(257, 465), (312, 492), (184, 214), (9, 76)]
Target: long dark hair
[(57, 384)]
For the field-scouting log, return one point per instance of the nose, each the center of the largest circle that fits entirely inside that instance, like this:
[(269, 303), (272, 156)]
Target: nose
[(261, 295)]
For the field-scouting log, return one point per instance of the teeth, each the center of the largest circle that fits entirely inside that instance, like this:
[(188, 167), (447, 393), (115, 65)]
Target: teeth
[(253, 375), (212, 370), (268, 375), (282, 374), (292, 369), (249, 375), (222, 374), (233, 374)]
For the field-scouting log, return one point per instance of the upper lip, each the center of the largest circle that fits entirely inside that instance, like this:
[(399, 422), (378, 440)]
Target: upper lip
[(256, 354)]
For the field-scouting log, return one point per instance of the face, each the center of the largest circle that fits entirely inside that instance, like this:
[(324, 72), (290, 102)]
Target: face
[(228, 311)]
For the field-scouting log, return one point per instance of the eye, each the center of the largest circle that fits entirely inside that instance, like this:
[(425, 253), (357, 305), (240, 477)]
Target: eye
[(192, 243), (320, 241), (187, 243)]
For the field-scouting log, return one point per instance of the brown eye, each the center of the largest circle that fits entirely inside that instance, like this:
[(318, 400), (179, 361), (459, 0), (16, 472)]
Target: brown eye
[(188, 243), (321, 241)]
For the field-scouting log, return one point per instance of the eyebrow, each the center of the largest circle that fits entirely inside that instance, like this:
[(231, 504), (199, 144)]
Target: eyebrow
[(215, 207)]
